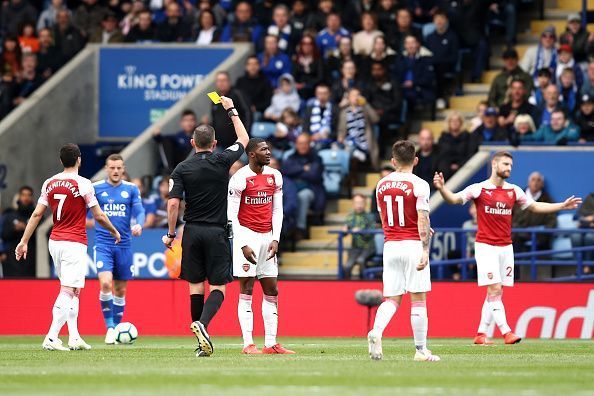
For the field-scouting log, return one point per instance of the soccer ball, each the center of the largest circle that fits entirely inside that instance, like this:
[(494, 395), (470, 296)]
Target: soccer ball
[(126, 333)]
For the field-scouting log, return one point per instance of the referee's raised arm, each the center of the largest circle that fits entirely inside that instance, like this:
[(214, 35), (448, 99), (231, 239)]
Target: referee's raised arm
[(240, 131)]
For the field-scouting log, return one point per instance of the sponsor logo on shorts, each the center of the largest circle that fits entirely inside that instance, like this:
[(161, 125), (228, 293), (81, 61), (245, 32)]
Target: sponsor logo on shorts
[(490, 275), (246, 267), (99, 264)]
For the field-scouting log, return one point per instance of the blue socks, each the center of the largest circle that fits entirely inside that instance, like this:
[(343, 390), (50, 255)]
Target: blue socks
[(107, 307), (119, 303)]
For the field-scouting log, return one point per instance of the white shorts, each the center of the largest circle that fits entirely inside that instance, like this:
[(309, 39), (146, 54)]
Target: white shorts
[(400, 269), (259, 244), (494, 264), (70, 262)]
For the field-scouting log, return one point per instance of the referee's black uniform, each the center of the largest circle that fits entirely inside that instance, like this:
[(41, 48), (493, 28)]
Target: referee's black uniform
[(202, 181)]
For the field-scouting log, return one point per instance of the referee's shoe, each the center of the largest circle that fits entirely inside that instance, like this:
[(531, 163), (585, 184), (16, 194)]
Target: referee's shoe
[(205, 347)]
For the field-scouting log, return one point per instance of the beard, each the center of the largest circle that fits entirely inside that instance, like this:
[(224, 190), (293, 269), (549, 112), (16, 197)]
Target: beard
[(503, 174)]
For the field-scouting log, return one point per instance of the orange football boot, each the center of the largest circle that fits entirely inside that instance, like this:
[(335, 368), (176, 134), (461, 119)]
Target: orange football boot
[(482, 339), (251, 349), (511, 338), (277, 349)]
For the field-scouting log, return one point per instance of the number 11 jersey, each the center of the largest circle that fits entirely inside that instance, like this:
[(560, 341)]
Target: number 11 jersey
[(399, 197)]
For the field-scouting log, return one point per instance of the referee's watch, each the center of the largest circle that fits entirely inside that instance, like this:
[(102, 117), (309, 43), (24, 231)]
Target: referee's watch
[(172, 236), (232, 112)]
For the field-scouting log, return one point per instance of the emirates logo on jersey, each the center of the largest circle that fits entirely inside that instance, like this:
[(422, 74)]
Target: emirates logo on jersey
[(499, 209), (270, 181), (246, 267)]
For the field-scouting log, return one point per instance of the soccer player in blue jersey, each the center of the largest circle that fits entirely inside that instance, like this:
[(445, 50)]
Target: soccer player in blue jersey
[(121, 202)]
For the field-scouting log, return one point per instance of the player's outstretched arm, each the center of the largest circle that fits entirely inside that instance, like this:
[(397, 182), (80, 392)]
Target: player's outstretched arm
[(424, 226), (544, 207), (242, 134), (102, 219), (21, 249), (446, 193)]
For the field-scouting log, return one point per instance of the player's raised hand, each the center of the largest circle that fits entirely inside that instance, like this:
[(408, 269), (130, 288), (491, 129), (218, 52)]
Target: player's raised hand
[(116, 236), (424, 261), (21, 251), (249, 254), (227, 102), (438, 180), (272, 249), (572, 202), (136, 230)]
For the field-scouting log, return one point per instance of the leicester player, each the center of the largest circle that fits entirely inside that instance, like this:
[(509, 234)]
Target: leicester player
[(120, 201)]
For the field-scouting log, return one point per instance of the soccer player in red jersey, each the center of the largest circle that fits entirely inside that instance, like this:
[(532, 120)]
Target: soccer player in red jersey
[(69, 195), (403, 204), (494, 199), (255, 207)]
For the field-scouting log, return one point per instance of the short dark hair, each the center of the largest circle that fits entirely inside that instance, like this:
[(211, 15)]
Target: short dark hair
[(323, 85), (204, 136), (114, 157), (188, 112), (387, 168), (517, 80), (544, 72), (441, 13), (359, 195), (501, 154), (252, 57), (403, 152), (26, 188), (560, 111), (253, 144), (69, 154)]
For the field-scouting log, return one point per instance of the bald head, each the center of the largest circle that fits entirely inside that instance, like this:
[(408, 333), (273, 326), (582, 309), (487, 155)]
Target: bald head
[(425, 140), (535, 182)]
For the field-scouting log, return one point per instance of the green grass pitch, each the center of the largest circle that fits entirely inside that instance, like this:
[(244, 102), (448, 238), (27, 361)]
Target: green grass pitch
[(324, 366)]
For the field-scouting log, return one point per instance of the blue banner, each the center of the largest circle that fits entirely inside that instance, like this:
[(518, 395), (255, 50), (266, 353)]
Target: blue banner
[(137, 85)]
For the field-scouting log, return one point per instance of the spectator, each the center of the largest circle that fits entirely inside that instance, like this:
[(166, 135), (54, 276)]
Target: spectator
[(243, 27), (586, 221), (559, 131), (14, 14), (298, 17), (49, 59), (380, 52), (403, 28), (207, 31), (542, 115), (175, 148), (385, 96), (355, 128), (488, 131), (12, 57), (585, 119), (544, 55), (588, 84), (285, 97), (363, 41), (286, 130), (320, 117), (13, 227), (477, 120), (577, 37), (336, 59), (362, 245), (425, 10), (47, 19), (544, 77), (566, 61), (348, 80), (254, 86), (148, 203), (568, 91), (144, 31), (282, 29), (67, 38), (454, 145), (318, 18), (444, 45), (273, 62), (511, 72), (517, 104), (160, 200), (131, 18), (385, 171), (308, 68), (471, 224), (263, 11), (386, 15), (88, 16), (427, 155), (352, 12), (29, 80), (290, 203), (328, 39), (220, 119), (528, 219), (305, 169), (27, 39), (416, 73), (174, 28), (523, 126), (108, 33)]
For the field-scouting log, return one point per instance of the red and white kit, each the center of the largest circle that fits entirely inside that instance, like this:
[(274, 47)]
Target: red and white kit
[(399, 197), (255, 207), (69, 195), (493, 247)]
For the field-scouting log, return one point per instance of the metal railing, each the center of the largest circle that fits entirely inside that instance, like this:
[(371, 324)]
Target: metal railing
[(533, 258)]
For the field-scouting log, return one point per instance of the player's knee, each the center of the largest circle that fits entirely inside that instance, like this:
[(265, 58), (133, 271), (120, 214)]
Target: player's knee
[(247, 289), (270, 291), (494, 290), (105, 286)]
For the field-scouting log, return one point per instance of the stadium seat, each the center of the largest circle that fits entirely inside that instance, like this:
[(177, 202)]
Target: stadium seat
[(563, 242), (262, 130), (336, 168), (377, 260)]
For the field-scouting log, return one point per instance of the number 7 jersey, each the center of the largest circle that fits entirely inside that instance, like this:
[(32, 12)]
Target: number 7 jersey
[(399, 197)]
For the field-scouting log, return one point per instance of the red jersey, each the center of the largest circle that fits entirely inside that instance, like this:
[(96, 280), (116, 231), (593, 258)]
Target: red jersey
[(399, 197), (494, 207), (69, 195), (256, 193)]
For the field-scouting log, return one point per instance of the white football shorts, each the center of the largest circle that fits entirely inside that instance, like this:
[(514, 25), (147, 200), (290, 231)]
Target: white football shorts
[(494, 264), (259, 243), (70, 262), (400, 269)]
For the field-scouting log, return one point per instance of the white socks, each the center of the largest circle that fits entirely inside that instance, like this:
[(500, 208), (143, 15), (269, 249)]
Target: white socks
[(72, 320), (60, 312), (486, 318), (270, 316), (384, 314), (419, 323), (246, 318), (498, 312)]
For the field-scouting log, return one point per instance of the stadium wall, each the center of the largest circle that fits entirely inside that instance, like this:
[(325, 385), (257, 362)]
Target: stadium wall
[(309, 308)]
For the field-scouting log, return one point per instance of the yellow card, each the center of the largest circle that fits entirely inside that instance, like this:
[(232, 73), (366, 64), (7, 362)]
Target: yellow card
[(214, 96)]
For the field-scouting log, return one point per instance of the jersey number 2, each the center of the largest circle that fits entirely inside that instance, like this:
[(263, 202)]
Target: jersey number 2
[(390, 212), (61, 198)]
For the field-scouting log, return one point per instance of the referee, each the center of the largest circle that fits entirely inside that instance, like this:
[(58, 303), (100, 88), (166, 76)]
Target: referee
[(202, 180)]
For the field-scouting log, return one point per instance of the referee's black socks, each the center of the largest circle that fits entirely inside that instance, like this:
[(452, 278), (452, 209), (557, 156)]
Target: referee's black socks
[(196, 306), (211, 306)]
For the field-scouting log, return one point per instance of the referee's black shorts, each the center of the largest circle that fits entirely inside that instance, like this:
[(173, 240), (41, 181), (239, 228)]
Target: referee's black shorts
[(206, 254)]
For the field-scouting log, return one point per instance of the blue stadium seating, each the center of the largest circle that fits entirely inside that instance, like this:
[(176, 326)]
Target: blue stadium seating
[(262, 130)]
